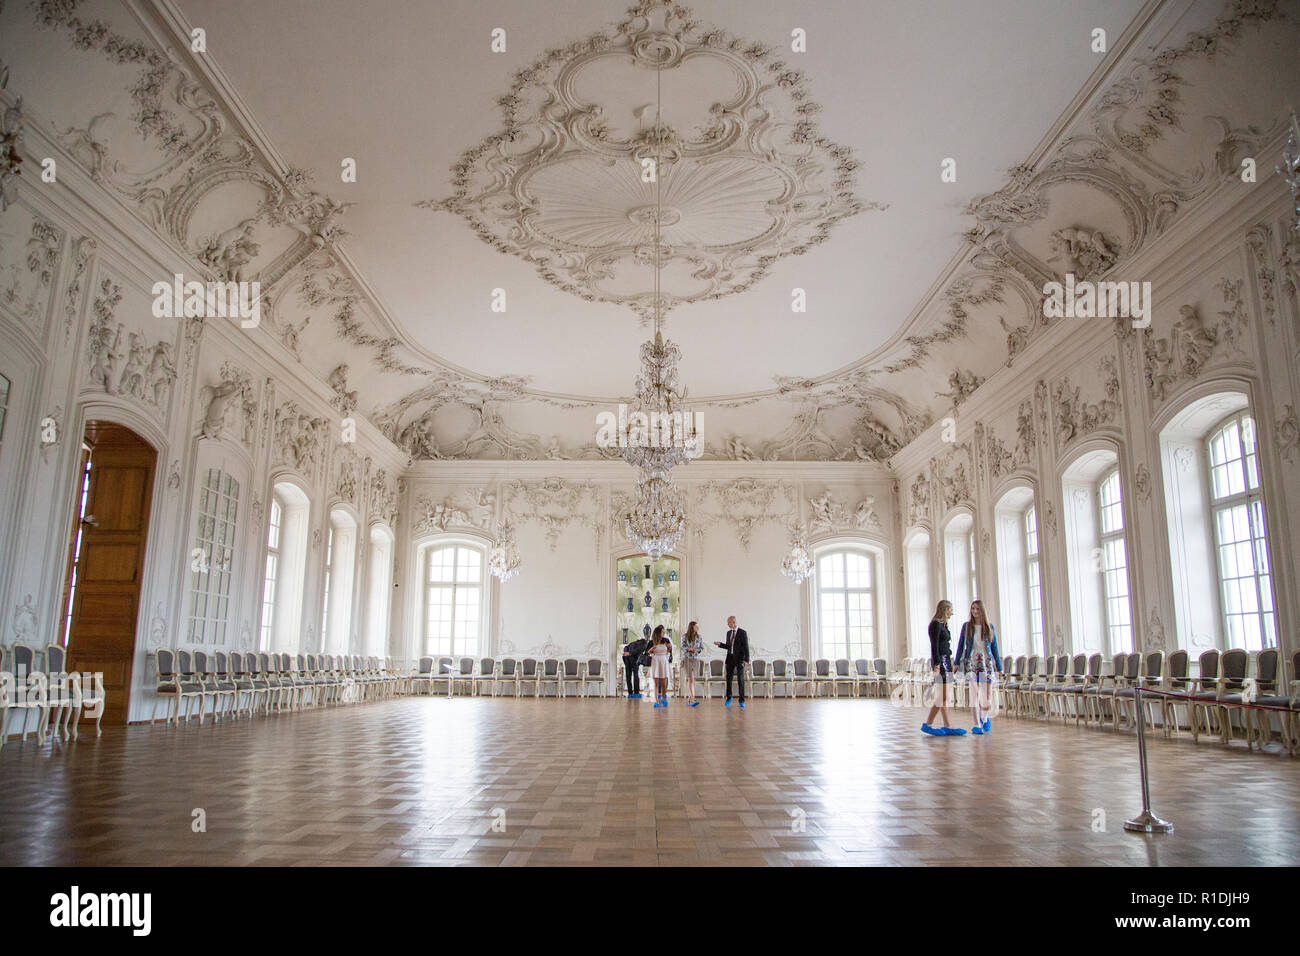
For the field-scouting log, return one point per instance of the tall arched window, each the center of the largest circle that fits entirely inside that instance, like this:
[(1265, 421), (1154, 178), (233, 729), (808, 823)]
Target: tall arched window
[(272, 573), (1034, 580), (379, 568), (285, 569), (212, 557), (1240, 538), (340, 572), (846, 604), (1100, 618), (1020, 593), (1114, 564), (920, 595), (453, 600), (959, 563)]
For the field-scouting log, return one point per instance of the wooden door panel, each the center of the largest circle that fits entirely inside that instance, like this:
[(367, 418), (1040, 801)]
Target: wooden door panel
[(111, 563), (120, 501)]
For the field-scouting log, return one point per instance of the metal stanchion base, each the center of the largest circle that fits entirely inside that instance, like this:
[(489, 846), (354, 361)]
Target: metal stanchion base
[(1148, 822)]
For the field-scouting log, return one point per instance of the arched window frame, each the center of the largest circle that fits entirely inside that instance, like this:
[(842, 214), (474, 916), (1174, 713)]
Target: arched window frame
[(824, 558), (1113, 562), (429, 643), (1236, 494)]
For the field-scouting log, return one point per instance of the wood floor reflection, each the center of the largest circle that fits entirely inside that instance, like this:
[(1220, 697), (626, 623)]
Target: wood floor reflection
[(614, 782)]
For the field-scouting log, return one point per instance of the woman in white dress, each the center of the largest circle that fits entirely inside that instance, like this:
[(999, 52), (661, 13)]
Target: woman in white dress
[(660, 650)]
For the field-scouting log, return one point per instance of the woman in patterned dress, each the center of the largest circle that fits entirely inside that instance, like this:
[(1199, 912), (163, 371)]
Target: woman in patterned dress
[(692, 648), (977, 656)]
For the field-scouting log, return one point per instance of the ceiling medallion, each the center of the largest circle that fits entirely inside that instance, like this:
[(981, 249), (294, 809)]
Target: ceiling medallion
[(747, 178)]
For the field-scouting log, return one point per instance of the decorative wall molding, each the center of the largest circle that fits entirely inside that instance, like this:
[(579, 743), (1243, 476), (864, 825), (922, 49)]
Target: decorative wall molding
[(1075, 417)]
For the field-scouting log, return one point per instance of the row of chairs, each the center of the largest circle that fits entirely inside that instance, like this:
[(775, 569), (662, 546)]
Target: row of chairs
[(240, 682), (1222, 690), (913, 685), (43, 685), (505, 674), (860, 676)]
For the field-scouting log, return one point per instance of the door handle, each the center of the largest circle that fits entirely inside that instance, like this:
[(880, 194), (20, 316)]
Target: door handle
[(90, 520)]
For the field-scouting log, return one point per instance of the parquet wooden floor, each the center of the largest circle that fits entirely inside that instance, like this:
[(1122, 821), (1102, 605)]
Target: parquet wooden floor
[(616, 782)]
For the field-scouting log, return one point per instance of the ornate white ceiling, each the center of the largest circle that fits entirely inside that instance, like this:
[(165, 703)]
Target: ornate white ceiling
[(744, 178), (518, 171)]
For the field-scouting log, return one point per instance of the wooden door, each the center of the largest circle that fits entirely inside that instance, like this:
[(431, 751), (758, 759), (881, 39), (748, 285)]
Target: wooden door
[(110, 563)]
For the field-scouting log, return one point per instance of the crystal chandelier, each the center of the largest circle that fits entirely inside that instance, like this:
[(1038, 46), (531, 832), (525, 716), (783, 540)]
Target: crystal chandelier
[(798, 563), (656, 521), (503, 559)]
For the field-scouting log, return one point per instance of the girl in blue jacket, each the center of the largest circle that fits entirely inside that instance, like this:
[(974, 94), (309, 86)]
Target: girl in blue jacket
[(978, 657)]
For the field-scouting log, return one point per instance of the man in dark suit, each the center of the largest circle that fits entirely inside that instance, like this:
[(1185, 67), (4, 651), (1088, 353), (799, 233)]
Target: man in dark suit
[(737, 647)]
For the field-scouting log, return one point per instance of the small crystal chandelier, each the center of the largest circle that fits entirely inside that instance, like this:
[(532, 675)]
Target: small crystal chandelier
[(503, 559), (656, 522), (798, 563)]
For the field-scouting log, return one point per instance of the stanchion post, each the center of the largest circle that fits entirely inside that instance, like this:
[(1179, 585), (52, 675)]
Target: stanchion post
[(1146, 821)]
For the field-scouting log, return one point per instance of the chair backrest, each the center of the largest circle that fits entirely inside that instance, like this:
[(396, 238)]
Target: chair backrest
[(236, 662), (1119, 665), (1234, 664), (551, 667), (822, 667), (24, 661), (595, 667), (800, 667), (1031, 667), (571, 668), (487, 666), (1295, 666), (202, 663), (715, 667), (780, 668), (302, 664), (1079, 666), (425, 666), (222, 663), (1176, 668), (184, 661), (1050, 663), (843, 667), (862, 667), (1094, 665), (758, 668), (1062, 665), (1155, 665), (466, 666), (1020, 666), (1265, 669), (528, 668), (882, 666), (165, 663), (1208, 665), (1134, 667), (509, 668), (56, 659)]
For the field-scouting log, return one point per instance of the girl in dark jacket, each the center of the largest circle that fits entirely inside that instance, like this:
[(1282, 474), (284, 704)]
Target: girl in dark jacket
[(941, 664)]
